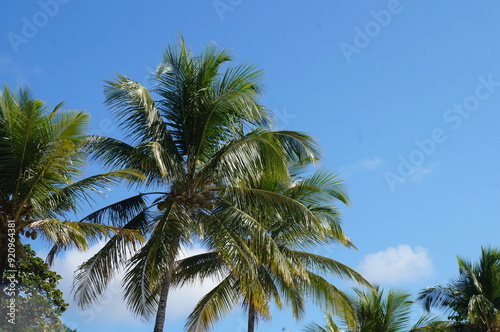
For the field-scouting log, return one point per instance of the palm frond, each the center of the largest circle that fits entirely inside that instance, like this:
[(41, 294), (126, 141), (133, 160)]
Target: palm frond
[(245, 159), (119, 213), (268, 203), (429, 323), (215, 305), (327, 296), (330, 326), (199, 267), (79, 234), (83, 189), (330, 266), (93, 276), (147, 269)]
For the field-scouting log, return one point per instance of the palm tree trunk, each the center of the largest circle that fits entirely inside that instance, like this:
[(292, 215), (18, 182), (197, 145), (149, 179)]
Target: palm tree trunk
[(162, 304), (251, 317), (3, 255)]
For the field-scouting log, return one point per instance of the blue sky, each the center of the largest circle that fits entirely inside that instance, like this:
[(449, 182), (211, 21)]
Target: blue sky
[(403, 95)]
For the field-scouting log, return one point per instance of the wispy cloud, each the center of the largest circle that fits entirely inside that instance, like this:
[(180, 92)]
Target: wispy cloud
[(407, 174), (16, 72), (368, 164), (420, 172), (5, 60), (397, 264)]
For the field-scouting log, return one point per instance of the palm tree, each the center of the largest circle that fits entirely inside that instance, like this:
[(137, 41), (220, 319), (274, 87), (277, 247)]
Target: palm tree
[(201, 144), (473, 298), (40, 163), (376, 312), (318, 192)]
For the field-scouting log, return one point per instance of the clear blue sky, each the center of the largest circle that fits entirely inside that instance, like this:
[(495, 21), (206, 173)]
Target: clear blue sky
[(403, 96)]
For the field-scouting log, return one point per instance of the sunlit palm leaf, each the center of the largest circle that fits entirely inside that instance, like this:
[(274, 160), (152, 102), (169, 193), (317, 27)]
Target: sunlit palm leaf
[(94, 275)]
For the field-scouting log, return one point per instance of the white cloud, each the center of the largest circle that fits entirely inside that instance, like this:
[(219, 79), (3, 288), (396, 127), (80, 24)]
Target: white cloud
[(182, 301), (397, 264), (419, 172), (368, 164), (412, 174), (111, 310)]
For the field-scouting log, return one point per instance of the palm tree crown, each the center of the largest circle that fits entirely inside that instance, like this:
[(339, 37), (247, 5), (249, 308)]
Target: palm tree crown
[(382, 313), (200, 137), (319, 193), (473, 298), (40, 163)]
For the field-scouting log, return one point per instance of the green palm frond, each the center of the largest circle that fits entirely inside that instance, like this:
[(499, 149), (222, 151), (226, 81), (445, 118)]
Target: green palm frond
[(233, 248), (215, 305), (430, 323), (80, 234), (119, 213), (202, 136), (110, 152), (262, 245), (327, 296), (277, 291), (473, 298), (267, 202), (198, 267), (320, 186), (66, 125), (438, 296), (39, 151), (330, 266), (93, 276), (132, 104), (245, 159), (330, 326), (83, 189), (146, 270), (41, 156), (299, 147)]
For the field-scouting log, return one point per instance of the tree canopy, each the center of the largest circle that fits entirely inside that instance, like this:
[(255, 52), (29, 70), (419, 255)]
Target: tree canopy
[(203, 141), (38, 302), (472, 298)]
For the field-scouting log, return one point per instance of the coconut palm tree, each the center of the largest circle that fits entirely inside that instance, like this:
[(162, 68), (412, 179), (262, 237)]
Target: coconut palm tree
[(473, 298), (318, 192), (377, 312), (200, 137), (40, 163)]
